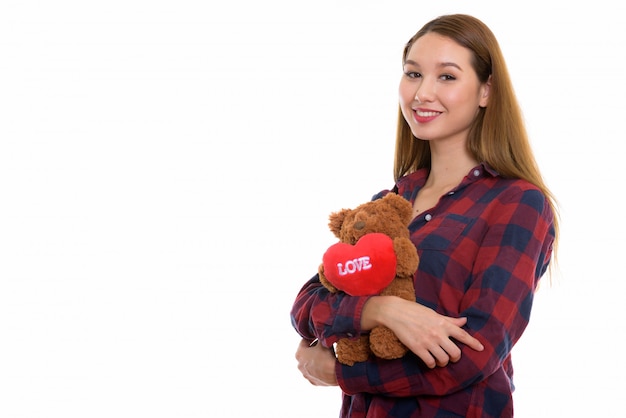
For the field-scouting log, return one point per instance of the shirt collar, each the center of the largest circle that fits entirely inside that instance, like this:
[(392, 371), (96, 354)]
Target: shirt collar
[(488, 169), (418, 178)]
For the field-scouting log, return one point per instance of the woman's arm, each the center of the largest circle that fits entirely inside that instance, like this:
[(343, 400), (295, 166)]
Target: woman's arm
[(425, 332), (319, 314)]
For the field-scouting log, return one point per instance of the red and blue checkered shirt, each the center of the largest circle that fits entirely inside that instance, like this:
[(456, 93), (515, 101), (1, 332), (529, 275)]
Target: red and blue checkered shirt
[(483, 249)]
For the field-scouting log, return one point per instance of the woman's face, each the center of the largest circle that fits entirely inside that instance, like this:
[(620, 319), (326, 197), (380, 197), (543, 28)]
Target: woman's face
[(440, 93)]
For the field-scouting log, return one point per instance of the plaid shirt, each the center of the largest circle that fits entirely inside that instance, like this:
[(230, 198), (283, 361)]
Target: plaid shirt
[(483, 249)]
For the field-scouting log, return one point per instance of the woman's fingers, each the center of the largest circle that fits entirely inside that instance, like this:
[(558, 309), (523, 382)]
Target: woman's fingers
[(464, 337)]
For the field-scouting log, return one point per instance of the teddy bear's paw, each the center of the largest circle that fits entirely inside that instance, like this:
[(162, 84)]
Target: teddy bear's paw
[(324, 281), (352, 351), (384, 344), (402, 287), (408, 260)]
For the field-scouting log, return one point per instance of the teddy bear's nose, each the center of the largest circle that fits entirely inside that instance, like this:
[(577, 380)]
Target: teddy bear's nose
[(359, 225)]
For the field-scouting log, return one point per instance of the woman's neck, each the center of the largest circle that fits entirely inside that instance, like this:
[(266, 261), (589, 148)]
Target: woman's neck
[(448, 169)]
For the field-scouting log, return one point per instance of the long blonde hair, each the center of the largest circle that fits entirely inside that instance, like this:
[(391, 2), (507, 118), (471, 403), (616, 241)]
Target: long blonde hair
[(498, 135)]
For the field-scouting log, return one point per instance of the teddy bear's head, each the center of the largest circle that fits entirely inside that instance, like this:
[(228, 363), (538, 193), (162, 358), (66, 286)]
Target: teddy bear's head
[(389, 215)]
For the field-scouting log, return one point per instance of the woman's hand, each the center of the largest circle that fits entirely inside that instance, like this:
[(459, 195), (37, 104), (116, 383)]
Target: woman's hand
[(316, 363), (425, 332)]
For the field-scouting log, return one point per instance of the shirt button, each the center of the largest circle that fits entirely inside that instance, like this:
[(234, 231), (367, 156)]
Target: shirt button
[(450, 193), (476, 173), (428, 217), (350, 335)]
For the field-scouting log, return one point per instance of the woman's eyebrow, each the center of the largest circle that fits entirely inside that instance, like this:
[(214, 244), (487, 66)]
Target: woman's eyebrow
[(442, 65)]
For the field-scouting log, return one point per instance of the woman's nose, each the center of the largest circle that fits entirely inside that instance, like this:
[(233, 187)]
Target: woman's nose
[(424, 92)]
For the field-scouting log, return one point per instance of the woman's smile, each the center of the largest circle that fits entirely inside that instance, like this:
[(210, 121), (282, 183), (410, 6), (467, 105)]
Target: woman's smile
[(423, 116)]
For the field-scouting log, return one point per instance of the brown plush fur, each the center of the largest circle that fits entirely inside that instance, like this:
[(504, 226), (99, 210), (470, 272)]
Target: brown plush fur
[(390, 215)]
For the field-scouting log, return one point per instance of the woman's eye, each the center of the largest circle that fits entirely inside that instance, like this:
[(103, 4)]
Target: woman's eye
[(412, 74), (448, 77)]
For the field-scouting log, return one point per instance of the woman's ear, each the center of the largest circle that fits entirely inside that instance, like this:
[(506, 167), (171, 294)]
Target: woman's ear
[(484, 94)]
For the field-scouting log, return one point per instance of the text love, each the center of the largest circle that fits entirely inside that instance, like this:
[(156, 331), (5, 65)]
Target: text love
[(353, 266)]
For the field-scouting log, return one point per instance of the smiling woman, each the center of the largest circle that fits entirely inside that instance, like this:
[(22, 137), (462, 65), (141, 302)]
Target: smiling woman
[(484, 227), (167, 168), (440, 93)]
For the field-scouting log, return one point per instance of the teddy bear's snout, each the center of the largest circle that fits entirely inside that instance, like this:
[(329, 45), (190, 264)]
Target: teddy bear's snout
[(358, 225)]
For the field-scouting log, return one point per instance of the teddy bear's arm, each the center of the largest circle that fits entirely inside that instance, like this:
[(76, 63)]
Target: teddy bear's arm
[(325, 281), (407, 258)]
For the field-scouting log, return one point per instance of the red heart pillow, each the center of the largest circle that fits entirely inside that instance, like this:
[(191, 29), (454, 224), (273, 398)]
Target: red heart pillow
[(365, 268)]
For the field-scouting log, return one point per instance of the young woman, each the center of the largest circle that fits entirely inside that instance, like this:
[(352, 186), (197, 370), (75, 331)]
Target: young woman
[(484, 228)]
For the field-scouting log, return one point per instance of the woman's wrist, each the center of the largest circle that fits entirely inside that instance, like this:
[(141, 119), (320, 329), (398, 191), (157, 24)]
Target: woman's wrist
[(373, 312)]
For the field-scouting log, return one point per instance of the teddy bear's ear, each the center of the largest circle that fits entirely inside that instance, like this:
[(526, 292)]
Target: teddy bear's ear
[(401, 205), (336, 221)]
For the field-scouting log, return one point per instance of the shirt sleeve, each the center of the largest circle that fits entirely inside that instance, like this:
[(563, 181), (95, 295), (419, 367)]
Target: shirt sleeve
[(318, 313), (512, 256)]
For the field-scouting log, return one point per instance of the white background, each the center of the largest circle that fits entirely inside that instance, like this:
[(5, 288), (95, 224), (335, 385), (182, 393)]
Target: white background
[(167, 169)]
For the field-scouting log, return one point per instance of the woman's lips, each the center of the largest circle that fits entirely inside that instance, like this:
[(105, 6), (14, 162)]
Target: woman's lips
[(423, 116)]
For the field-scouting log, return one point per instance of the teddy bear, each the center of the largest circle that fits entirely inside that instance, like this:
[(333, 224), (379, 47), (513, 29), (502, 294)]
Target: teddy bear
[(374, 256)]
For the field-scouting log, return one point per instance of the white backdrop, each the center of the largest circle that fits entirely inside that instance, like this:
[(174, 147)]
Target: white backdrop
[(167, 169)]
